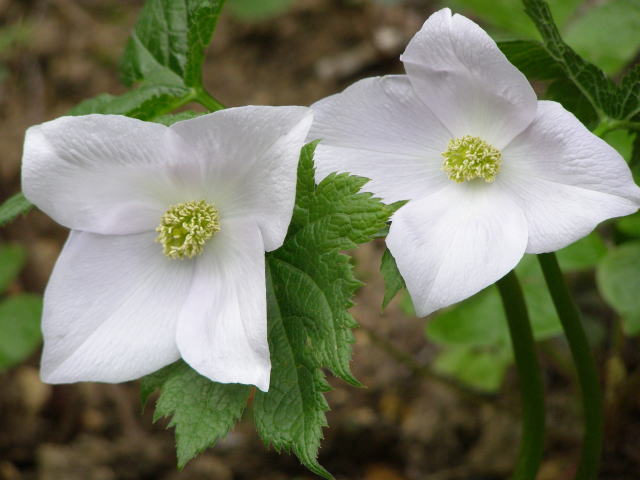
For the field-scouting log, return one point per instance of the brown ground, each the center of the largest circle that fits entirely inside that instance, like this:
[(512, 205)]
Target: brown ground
[(407, 425)]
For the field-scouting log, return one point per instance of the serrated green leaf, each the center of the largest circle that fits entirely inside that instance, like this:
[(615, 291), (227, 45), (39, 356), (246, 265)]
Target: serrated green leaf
[(618, 279), (13, 207), (607, 34), (565, 92), (12, 258), (532, 59), (168, 42), (605, 97), (629, 95), (309, 291), (144, 103), (19, 328), (292, 414), (393, 281), (201, 411)]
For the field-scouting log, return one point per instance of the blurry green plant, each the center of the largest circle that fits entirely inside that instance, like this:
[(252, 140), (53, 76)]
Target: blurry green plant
[(11, 36), (605, 33), (254, 10), (473, 335), (19, 314)]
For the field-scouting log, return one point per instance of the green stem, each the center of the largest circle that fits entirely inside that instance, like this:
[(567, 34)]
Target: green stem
[(585, 367), (531, 387), (205, 99), (608, 125)]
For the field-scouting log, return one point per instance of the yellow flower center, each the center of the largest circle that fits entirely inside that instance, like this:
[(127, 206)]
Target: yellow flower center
[(185, 228), (470, 157)]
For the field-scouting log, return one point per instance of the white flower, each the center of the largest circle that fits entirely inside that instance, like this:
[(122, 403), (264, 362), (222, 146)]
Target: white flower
[(490, 172), (169, 228)]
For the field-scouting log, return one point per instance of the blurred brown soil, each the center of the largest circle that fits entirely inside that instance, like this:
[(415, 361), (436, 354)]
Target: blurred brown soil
[(408, 424)]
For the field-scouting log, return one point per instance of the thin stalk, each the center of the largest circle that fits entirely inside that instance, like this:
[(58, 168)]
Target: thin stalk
[(531, 387), (205, 99), (585, 367)]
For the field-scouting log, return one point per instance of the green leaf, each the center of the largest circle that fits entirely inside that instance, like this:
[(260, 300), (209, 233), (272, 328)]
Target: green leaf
[(393, 281), (309, 291), (532, 59), (201, 411), (618, 279), (292, 414), (168, 43), (12, 258), (145, 102), (607, 34), (629, 95), (12, 207), (19, 328), (601, 92), (565, 92)]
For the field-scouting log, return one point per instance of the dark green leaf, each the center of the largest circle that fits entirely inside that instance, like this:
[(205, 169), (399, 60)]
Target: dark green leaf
[(12, 259), (531, 58), (601, 92), (168, 42), (201, 411), (629, 95), (393, 281), (12, 207), (312, 287), (571, 98), (618, 279), (19, 328)]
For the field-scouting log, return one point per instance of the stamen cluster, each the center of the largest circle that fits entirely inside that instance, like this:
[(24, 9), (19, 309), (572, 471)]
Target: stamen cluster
[(470, 157), (185, 228)]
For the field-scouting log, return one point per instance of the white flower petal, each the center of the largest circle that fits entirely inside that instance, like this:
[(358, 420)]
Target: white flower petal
[(222, 331), (111, 309), (454, 243), (99, 173), (249, 157), (462, 76), (565, 179), (379, 129)]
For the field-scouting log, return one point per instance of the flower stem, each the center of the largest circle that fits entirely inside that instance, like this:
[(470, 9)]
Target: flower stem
[(205, 99), (531, 388), (585, 367)]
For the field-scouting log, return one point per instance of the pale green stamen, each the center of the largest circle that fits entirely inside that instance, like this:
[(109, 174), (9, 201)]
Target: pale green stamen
[(186, 227), (470, 157)]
